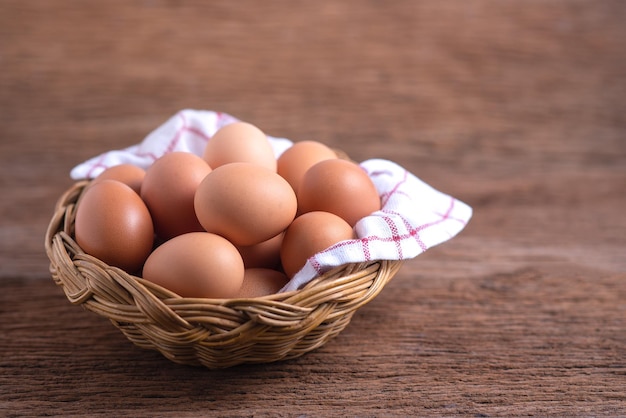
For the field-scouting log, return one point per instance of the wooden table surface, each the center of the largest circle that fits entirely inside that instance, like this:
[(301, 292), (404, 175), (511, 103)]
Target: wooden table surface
[(516, 108)]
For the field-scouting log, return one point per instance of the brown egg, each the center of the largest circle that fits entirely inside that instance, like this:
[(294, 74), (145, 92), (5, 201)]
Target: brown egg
[(245, 202), (113, 224), (261, 282), (128, 174), (296, 160), (309, 234), (264, 254), (338, 186), (196, 265), (168, 190), (239, 142)]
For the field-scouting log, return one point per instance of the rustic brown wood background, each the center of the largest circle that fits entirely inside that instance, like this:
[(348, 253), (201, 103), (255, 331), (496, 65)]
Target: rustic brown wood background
[(517, 108)]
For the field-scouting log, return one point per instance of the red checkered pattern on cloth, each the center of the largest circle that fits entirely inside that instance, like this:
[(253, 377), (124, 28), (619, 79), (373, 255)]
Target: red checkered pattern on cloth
[(414, 216)]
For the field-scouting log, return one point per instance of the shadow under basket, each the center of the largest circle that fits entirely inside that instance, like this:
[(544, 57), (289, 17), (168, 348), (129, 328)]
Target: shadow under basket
[(215, 333)]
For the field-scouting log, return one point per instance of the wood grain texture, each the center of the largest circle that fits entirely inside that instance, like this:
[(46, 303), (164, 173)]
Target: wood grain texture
[(516, 108)]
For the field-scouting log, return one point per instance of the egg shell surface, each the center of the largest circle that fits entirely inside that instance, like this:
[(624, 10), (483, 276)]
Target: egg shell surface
[(309, 234), (114, 225), (297, 159), (239, 142), (196, 265), (264, 254), (259, 282), (245, 202), (338, 186), (128, 174), (168, 190)]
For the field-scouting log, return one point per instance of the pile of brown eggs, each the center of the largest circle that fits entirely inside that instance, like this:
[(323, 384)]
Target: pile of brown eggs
[(236, 222)]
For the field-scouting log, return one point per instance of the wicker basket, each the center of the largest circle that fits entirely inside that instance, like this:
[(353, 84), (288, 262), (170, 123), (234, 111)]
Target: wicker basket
[(214, 333)]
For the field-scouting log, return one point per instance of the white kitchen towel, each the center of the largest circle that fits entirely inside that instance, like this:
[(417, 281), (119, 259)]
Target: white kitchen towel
[(413, 217)]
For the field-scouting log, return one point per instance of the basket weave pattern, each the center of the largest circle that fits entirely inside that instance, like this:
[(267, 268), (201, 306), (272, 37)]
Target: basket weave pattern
[(214, 333)]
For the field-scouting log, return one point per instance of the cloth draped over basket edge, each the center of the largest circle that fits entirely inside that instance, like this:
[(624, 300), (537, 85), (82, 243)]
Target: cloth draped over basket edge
[(413, 218)]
